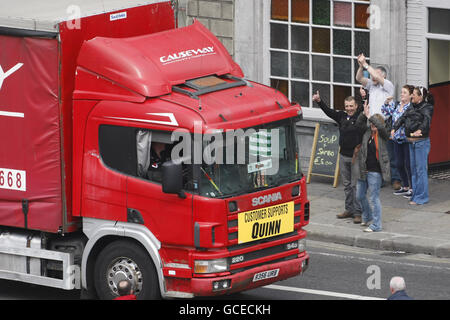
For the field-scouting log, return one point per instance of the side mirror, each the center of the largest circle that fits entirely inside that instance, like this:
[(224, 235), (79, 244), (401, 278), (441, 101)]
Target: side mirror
[(172, 178)]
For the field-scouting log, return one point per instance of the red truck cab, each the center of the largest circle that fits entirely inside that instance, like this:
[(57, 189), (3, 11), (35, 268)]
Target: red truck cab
[(176, 173), (183, 80)]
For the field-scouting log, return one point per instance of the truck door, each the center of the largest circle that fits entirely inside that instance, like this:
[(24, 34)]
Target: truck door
[(168, 216), (107, 162)]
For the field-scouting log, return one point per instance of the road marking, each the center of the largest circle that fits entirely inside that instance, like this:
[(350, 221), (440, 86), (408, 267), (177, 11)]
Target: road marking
[(321, 292), (377, 260), (12, 114)]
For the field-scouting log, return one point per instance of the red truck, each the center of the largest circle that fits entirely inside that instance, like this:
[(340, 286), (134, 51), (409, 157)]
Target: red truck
[(87, 197)]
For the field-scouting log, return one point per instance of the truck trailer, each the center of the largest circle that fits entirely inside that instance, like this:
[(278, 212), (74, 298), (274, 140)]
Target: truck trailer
[(90, 93)]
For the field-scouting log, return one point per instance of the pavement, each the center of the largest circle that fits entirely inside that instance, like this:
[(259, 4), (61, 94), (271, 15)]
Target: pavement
[(407, 228)]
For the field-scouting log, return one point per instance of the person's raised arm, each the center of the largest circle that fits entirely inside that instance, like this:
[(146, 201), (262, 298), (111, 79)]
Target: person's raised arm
[(359, 74), (376, 76), (328, 111)]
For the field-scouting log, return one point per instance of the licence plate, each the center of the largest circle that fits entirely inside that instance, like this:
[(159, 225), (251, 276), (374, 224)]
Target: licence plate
[(265, 275)]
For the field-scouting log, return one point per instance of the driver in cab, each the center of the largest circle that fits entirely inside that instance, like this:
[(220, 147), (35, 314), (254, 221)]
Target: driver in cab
[(159, 154)]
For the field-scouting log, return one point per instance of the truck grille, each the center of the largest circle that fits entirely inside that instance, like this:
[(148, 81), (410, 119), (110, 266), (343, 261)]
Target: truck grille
[(250, 259)]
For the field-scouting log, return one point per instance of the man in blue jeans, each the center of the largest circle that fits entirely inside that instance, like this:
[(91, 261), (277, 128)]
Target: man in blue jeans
[(373, 161), (349, 137)]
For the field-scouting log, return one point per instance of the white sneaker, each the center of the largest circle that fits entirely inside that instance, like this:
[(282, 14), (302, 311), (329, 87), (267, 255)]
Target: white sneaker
[(368, 230), (365, 224), (402, 192)]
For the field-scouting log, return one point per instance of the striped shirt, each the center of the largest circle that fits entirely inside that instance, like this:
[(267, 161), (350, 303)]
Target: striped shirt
[(393, 109)]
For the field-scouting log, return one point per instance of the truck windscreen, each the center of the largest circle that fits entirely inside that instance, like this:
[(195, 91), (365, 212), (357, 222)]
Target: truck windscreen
[(249, 160)]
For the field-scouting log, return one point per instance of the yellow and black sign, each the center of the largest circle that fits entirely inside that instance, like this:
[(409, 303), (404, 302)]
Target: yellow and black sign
[(266, 222)]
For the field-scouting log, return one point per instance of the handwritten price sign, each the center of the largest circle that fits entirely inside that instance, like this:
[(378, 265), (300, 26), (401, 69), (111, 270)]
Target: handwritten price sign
[(325, 152)]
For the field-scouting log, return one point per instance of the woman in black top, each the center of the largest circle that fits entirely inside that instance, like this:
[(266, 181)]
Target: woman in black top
[(417, 123)]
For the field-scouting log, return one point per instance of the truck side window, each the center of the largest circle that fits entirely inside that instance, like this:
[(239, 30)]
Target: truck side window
[(138, 152), (118, 148), (153, 149)]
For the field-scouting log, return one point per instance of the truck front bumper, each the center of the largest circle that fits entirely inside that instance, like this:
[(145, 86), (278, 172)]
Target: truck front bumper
[(244, 280)]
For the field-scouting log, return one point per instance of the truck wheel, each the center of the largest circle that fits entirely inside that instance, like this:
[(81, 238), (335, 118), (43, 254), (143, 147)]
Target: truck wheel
[(124, 259)]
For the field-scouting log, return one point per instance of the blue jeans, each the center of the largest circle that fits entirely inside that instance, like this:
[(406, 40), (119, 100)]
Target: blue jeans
[(418, 153), (403, 162), (395, 174), (371, 210)]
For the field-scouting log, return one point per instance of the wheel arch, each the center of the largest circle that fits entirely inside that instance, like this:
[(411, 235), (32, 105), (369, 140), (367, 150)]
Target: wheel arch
[(102, 232)]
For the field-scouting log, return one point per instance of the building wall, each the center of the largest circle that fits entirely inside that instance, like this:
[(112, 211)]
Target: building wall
[(388, 40), (398, 41), (416, 26), (417, 38), (216, 15)]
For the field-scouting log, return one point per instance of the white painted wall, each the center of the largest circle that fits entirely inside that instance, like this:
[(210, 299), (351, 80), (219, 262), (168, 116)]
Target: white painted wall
[(417, 38), (252, 36)]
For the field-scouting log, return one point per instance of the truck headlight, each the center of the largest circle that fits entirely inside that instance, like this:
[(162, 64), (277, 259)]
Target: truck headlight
[(302, 245), (210, 266)]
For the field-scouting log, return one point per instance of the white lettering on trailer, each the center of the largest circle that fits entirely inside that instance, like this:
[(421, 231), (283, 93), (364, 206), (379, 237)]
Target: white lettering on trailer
[(4, 75), (118, 16), (13, 179), (12, 114)]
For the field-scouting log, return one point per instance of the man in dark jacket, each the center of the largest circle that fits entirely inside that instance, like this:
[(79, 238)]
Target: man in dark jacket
[(397, 287), (349, 137)]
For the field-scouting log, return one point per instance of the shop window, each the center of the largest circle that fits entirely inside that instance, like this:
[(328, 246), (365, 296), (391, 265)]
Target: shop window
[(280, 9), (340, 93), (321, 40), (361, 16), (324, 89), (300, 11), (300, 93), (342, 42), (279, 36), (321, 12), (300, 38), (342, 70), (343, 14), (439, 21), (321, 68), (300, 65), (280, 85), (279, 63), (362, 43), (314, 45)]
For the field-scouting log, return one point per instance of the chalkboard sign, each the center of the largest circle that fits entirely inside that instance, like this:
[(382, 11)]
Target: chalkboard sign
[(325, 153)]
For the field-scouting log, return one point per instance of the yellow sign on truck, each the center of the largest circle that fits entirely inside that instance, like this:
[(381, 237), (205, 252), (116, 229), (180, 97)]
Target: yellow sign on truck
[(266, 222)]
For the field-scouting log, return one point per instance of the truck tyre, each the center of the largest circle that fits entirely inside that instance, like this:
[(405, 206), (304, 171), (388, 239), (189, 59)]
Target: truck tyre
[(124, 259)]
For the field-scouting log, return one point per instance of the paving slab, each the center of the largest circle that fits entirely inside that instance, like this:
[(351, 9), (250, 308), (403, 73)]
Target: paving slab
[(407, 228)]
